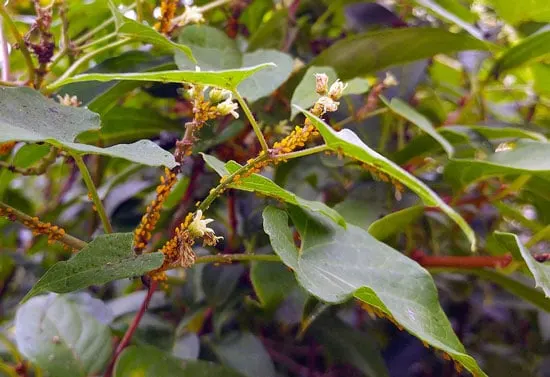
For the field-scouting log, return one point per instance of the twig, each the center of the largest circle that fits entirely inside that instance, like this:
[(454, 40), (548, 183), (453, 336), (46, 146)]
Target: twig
[(252, 120), (4, 54), (38, 169), (303, 152), (539, 236), (20, 41), (93, 193), (230, 258), (132, 329), (461, 262), (16, 215)]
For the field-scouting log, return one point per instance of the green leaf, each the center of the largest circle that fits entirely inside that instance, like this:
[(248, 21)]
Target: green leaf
[(540, 271), (457, 135), (122, 124), (271, 33), (529, 157), (108, 257), (61, 338), (372, 272), (219, 282), (272, 282), (265, 82), (531, 49), (265, 186), (455, 12), (228, 79), (305, 96), (215, 50), (245, 353), (212, 48), (348, 143), (34, 118), (146, 361), (516, 12), (129, 28), (403, 109), (508, 283), (391, 47), (395, 222), (345, 344), (280, 235)]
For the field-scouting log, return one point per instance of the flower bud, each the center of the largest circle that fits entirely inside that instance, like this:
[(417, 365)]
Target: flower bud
[(321, 83), (217, 95), (337, 89), (390, 80), (228, 107)]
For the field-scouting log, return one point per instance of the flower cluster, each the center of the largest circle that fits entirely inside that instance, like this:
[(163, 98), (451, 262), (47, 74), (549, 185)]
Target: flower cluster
[(192, 15), (142, 234), (37, 227), (67, 100), (178, 251), (328, 102), (167, 13), (7, 147)]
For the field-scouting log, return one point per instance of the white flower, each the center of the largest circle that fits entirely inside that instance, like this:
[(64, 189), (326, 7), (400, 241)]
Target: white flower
[(228, 107), (390, 80), (337, 89), (321, 83), (198, 227), (328, 104), (192, 15)]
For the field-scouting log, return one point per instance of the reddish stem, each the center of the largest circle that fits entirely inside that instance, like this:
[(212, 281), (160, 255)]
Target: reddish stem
[(132, 329), (461, 262), (233, 224)]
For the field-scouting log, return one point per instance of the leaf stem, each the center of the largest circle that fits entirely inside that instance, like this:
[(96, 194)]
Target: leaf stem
[(466, 262), (253, 122), (514, 187), (93, 192), (229, 258), (16, 215), (139, 11), (84, 59), (98, 41), (4, 54), (20, 41), (226, 181), (132, 328), (303, 152)]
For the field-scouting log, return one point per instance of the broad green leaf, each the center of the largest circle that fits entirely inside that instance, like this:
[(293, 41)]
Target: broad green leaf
[(348, 143), (533, 48), (526, 157), (228, 79), (391, 47), (32, 117), (215, 51), (61, 338), (271, 33), (403, 109), (457, 135), (540, 271), (219, 282), (508, 283), (212, 48), (265, 82), (245, 353), (516, 12), (146, 361), (280, 236), (129, 28), (272, 282), (395, 222), (305, 96), (262, 185), (108, 257), (372, 272), (455, 12), (344, 343)]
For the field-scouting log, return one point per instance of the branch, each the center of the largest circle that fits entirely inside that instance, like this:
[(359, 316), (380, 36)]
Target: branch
[(132, 328), (230, 258), (461, 262), (252, 121), (20, 41), (33, 223), (38, 169), (93, 193)]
